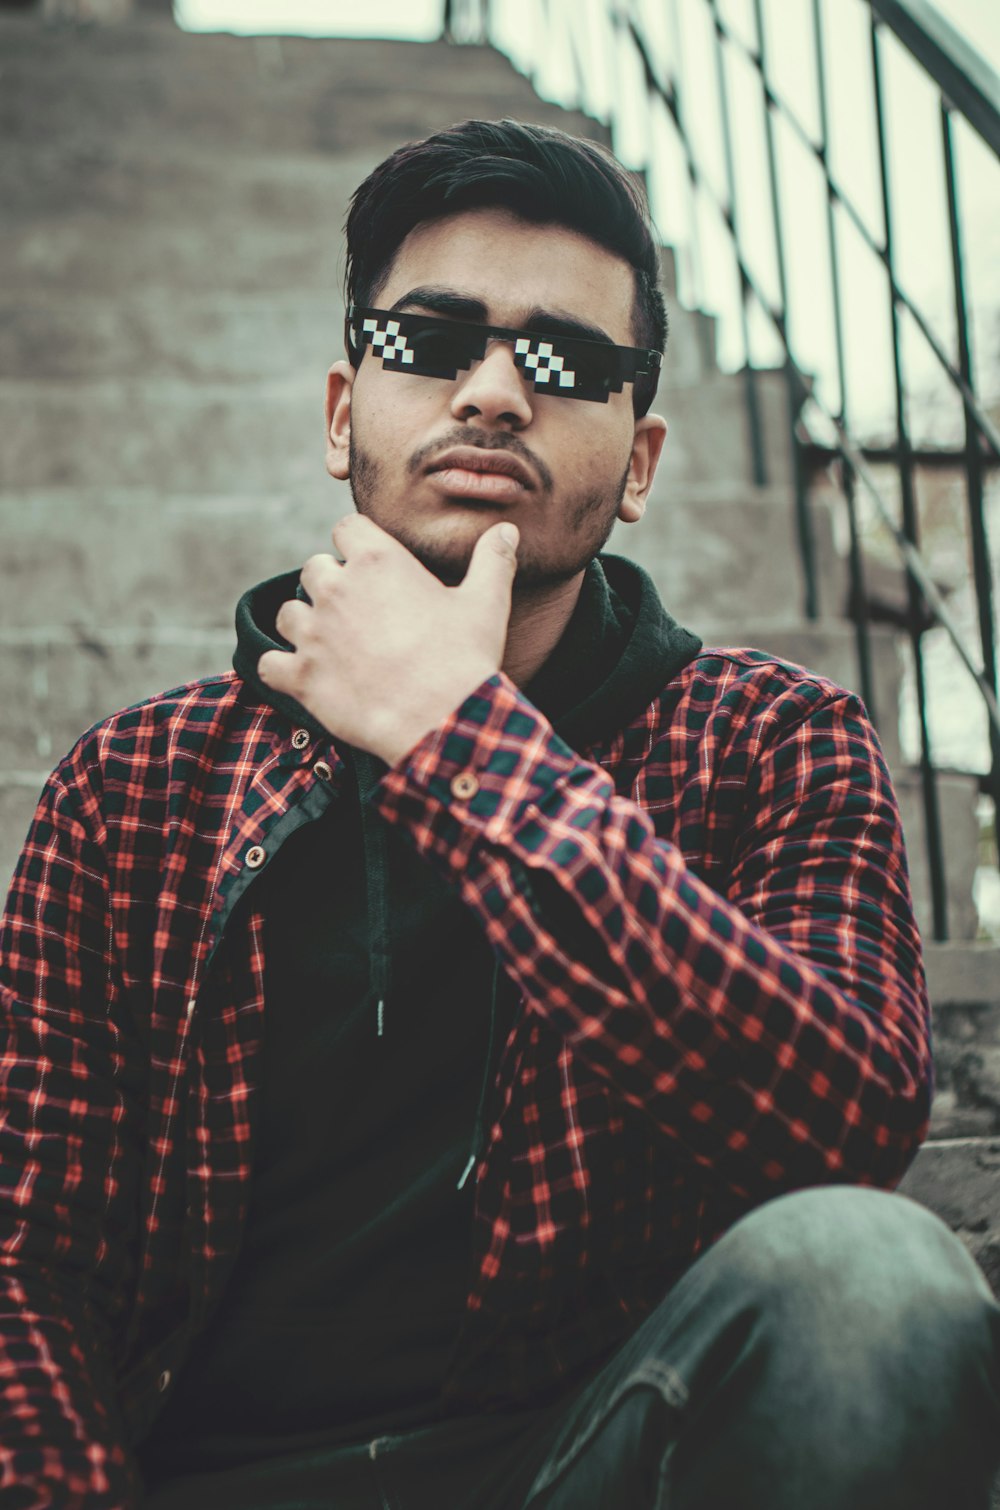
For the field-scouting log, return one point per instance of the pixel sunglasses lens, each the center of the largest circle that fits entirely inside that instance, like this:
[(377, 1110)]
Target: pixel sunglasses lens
[(427, 346)]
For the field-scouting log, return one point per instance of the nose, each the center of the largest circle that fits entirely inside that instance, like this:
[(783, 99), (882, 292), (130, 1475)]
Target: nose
[(493, 390)]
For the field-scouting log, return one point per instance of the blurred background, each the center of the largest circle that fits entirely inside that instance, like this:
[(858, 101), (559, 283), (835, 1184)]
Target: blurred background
[(824, 177)]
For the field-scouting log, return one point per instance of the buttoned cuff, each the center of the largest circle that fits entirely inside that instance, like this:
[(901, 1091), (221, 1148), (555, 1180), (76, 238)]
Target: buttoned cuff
[(481, 774)]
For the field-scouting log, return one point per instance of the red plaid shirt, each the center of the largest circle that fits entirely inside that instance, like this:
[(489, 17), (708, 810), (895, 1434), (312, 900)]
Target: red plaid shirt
[(709, 924)]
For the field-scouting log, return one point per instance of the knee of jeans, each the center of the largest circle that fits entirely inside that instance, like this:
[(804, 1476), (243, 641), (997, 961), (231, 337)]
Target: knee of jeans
[(837, 1258)]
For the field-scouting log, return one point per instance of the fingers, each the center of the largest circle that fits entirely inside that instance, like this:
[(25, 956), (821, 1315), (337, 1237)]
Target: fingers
[(494, 562), (356, 532), (276, 669), (318, 575), (290, 620)]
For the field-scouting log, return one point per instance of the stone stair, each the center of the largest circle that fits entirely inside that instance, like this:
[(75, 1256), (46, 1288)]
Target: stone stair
[(170, 244)]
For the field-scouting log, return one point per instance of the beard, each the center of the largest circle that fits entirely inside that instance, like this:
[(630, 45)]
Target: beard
[(589, 518)]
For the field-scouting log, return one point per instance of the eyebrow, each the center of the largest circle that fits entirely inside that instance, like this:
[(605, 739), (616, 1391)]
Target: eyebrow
[(446, 301)]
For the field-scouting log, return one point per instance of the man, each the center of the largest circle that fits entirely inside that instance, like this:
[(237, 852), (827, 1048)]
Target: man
[(427, 1048)]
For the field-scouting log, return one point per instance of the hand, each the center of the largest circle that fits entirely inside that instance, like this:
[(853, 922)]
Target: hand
[(385, 652)]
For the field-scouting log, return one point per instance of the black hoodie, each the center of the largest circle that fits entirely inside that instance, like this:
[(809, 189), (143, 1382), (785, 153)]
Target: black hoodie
[(384, 1016)]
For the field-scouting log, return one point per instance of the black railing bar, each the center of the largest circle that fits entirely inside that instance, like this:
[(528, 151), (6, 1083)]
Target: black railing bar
[(961, 72), (984, 423), (803, 514), (679, 119), (931, 458), (928, 780), (859, 594), (849, 447), (981, 567), (731, 216), (912, 560)]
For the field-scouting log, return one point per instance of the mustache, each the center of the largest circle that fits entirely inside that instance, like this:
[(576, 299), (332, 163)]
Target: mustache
[(467, 435)]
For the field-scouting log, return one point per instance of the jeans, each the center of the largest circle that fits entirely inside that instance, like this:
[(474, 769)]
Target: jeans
[(836, 1349)]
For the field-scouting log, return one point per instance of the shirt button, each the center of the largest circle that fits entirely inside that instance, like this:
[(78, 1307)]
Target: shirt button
[(255, 857), (163, 1382), (300, 739), (322, 771), (464, 786)]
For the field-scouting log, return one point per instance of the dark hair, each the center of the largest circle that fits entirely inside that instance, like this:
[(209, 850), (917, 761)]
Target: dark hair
[(538, 173)]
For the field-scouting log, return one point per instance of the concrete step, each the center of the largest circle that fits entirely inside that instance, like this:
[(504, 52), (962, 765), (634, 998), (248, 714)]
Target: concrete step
[(140, 558), (957, 800), (708, 441), (963, 974), (956, 1172), (208, 438), (964, 985), (959, 1179), (254, 95), (94, 251), (62, 681), (221, 336), (706, 545), (19, 792)]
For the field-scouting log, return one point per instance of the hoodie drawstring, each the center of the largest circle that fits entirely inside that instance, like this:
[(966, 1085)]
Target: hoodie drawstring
[(479, 1126), (380, 943), (376, 887)]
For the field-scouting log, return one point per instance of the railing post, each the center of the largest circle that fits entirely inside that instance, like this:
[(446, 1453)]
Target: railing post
[(932, 815), (981, 560), (803, 514), (858, 591), (757, 454)]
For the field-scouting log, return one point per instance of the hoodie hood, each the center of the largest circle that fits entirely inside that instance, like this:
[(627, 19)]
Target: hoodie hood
[(618, 651)]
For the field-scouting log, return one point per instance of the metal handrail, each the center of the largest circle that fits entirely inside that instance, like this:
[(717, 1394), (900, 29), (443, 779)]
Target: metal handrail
[(961, 73), (970, 89)]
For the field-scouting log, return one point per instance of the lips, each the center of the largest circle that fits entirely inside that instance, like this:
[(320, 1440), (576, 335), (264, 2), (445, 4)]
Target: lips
[(497, 470)]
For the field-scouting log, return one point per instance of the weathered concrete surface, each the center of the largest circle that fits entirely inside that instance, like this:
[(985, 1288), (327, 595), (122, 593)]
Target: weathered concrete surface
[(960, 830), (60, 686), (962, 973), (959, 1179), (93, 559), (964, 985), (19, 793), (967, 1058), (258, 98)]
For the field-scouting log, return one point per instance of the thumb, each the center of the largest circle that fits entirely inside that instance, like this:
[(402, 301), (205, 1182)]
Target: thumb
[(494, 561)]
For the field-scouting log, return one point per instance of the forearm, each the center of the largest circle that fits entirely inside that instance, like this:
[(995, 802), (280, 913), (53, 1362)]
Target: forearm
[(776, 1033)]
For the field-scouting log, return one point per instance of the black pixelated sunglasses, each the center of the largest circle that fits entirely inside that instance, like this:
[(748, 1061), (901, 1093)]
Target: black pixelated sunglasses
[(430, 347)]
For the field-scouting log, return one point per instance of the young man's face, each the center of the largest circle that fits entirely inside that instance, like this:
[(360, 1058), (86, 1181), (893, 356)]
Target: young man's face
[(402, 439)]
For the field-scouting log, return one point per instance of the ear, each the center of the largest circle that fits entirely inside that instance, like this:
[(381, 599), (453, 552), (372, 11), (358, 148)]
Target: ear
[(647, 443), (339, 386)]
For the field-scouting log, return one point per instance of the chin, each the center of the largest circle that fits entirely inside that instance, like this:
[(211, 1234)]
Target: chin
[(449, 563)]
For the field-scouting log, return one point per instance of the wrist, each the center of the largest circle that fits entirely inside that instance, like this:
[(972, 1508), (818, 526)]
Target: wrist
[(408, 727)]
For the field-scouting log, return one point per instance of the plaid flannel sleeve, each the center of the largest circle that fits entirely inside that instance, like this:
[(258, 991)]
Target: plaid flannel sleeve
[(68, 1170), (776, 1030)]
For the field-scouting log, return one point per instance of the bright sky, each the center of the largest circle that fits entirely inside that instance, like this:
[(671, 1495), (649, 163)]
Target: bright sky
[(420, 20)]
